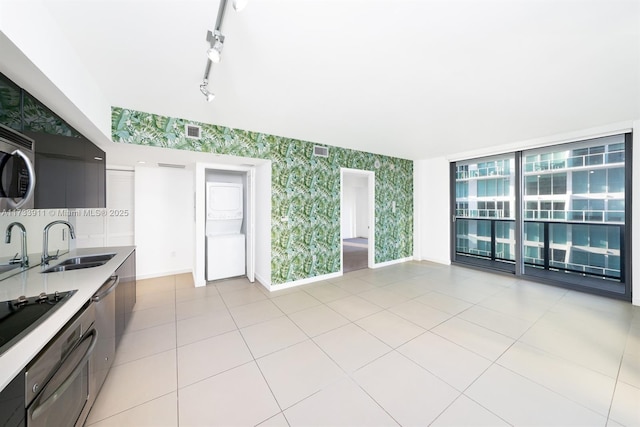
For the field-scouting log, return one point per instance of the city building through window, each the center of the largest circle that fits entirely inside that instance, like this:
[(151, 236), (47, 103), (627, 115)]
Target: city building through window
[(557, 213)]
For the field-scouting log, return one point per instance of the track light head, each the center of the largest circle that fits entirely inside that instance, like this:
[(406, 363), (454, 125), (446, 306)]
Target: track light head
[(204, 89), (238, 5), (214, 53), (216, 38)]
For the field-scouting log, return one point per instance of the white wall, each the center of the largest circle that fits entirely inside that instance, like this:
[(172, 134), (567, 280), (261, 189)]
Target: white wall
[(354, 217), (431, 210), (164, 221), (348, 213), (263, 223), (37, 56), (362, 213)]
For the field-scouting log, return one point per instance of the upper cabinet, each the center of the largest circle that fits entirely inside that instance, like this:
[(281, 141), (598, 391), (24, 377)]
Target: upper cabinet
[(70, 172), (70, 169)]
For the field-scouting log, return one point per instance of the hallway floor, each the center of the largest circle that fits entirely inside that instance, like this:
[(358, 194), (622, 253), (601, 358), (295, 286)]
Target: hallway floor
[(410, 344)]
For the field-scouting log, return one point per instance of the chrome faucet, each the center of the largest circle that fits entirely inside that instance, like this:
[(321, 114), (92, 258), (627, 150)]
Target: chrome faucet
[(45, 240), (24, 258)]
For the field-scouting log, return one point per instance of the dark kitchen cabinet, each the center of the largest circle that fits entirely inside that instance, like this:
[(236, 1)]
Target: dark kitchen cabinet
[(125, 294), (70, 172), (12, 412)]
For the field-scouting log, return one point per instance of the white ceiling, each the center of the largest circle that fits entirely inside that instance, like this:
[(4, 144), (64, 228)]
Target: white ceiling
[(412, 79)]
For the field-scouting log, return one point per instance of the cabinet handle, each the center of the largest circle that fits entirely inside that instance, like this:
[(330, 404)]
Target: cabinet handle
[(100, 296), (32, 182)]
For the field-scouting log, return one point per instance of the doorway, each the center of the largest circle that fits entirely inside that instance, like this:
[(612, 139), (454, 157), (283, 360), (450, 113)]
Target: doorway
[(357, 219), (228, 224), (241, 174)]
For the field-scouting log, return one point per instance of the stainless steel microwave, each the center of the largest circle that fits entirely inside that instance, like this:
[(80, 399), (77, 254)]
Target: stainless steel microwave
[(17, 174)]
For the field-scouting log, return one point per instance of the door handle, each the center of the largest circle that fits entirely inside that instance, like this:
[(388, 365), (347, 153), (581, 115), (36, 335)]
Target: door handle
[(32, 181)]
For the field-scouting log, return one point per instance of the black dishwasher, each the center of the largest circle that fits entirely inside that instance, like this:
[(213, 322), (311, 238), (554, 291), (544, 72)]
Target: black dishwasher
[(104, 302)]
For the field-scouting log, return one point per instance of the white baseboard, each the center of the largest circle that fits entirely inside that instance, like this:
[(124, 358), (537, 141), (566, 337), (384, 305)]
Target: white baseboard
[(264, 282), (395, 261), (161, 274), (198, 283), (304, 281), (444, 261)]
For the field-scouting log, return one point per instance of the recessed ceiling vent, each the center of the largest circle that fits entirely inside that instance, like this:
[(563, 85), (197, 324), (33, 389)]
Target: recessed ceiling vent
[(320, 151), (171, 165), (192, 131)]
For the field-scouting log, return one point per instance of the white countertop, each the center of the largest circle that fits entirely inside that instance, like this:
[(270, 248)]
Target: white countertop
[(31, 282)]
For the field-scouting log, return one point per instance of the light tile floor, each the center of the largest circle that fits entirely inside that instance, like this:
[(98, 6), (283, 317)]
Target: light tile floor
[(413, 344)]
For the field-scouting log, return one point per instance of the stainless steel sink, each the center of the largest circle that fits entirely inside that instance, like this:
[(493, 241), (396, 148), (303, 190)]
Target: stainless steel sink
[(80, 262), (88, 259)]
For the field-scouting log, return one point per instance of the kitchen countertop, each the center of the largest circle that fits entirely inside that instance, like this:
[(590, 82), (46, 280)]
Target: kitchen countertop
[(31, 282)]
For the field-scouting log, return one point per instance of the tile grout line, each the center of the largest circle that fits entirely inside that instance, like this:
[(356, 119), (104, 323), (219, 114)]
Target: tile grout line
[(495, 362), (254, 360), (175, 319), (617, 379), (351, 374)]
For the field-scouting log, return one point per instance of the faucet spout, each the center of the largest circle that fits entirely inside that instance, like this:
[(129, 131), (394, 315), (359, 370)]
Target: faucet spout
[(24, 258), (45, 240)]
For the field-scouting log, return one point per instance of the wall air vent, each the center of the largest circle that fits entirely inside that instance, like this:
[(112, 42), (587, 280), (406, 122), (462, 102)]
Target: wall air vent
[(320, 151), (192, 131), (171, 165)]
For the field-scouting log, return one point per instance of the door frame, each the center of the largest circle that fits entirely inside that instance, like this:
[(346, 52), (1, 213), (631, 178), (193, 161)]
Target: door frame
[(371, 215), (199, 214)]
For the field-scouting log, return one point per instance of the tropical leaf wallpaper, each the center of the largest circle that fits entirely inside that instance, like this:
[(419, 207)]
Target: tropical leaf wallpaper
[(305, 189), (10, 109), (22, 112)]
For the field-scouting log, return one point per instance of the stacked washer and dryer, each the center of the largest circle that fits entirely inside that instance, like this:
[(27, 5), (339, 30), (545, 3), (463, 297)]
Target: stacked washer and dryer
[(226, 253)]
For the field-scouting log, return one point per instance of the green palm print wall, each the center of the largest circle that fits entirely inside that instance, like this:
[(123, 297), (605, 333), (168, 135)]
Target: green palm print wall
[(305, 189), (22, 112)]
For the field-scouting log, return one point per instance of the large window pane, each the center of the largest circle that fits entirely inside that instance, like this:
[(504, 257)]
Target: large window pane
[(616, 180), (598, 181), (580, 182), (580, 235), (544, 184), (533, 232), (573, 212), (489, 188), (559, 183), (531, 185), (558, 234), (597, 237), (482, 188)]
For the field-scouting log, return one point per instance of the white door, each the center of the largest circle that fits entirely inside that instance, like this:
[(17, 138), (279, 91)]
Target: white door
[(120, 202)]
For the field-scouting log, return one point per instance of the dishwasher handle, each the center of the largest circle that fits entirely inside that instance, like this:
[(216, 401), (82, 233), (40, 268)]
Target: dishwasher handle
[(110, 288)]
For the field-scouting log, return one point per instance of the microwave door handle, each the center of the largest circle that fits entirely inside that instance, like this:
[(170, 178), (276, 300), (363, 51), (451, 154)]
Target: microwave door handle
[(32, 181), (41, 407)]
